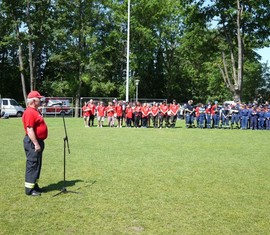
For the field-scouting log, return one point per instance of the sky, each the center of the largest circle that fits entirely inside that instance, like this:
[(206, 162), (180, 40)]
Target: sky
[(265, 54)]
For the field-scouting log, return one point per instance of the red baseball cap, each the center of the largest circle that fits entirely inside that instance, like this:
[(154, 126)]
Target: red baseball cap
[(34, 94)]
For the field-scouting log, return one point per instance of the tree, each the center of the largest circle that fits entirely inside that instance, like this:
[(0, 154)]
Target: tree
[(239, 32)]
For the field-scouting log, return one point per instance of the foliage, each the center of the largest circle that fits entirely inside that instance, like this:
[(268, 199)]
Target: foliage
[(238, 32), (78, 48)]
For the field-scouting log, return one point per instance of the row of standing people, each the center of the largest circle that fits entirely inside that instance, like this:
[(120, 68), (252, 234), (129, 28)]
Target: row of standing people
[(236, 115), (161, 114)]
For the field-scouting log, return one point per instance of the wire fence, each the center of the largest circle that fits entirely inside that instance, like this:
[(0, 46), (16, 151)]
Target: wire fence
[(58, 106)]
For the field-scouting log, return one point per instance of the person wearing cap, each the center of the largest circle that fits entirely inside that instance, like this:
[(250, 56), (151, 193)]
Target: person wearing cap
[(36, 132)]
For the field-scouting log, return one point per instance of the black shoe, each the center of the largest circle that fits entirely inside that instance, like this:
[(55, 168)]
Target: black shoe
[(38, 189), (35, 193)]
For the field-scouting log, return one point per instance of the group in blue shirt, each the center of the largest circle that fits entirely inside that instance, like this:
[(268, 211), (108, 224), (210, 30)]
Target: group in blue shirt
[(233, 116)]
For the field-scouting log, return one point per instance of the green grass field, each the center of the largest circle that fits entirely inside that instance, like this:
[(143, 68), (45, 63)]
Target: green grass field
[(138, 181)]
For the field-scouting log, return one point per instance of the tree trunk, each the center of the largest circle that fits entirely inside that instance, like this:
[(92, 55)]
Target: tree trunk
[(30, 54), (78, 94), (238, 89), (21, 64), (234, 80), (30, 47)]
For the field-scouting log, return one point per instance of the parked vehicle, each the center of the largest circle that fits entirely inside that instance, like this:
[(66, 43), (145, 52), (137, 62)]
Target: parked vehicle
[(231, 102), (10, 107), (56, 107)]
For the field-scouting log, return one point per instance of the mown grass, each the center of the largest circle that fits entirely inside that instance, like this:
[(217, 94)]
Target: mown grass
[(138, 181)]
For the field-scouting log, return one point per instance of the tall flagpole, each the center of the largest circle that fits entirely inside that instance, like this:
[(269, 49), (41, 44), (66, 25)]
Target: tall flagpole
[(127, 69)]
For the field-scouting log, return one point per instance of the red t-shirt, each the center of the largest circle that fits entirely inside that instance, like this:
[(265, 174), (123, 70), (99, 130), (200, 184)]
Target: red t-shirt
[(92, 108), (145, 111), (197, 112), (208, 110), (137, 110), (110, 111), (86, 111), (155, 110), (163, 109), (129, 112), (32, 118), (101, 110), (118, 110), (173, 109), (214, 109)]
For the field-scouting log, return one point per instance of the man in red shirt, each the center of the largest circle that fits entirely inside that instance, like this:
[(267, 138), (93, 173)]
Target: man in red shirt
[(36, 132), (129, 114), (86, 114), (145, 115), (137, 114), (92, 108), (173, 113), (119, 113), (101, 113), (110, 114), (163, 114), (155, 113)]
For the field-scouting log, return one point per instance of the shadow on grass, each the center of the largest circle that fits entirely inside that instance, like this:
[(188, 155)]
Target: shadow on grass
[(60, 185)]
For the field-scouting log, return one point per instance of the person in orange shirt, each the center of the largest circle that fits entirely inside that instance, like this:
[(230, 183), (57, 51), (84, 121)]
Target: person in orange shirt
[(145, 115), (36, 131), (215, 114), (129, 114), (163, 116), (100, 114), (173, 113), (119, 113), (86, 114), (110, 114), (155, 114), (197, 115), (208, 115), (137, 114), (92, 108)]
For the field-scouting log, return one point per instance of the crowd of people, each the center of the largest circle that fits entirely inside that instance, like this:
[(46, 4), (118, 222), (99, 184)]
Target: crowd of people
[(233, 115)]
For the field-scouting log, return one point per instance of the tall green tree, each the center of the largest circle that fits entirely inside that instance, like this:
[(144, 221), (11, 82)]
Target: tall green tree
[(242, 26)]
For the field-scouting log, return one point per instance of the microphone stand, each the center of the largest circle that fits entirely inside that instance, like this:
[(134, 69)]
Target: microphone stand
[(66, 145)]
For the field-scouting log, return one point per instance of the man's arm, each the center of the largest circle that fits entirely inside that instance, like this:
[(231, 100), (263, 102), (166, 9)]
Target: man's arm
[(32, 136)]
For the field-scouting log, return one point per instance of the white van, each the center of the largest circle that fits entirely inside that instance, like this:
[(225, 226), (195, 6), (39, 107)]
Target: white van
[(11, 107)]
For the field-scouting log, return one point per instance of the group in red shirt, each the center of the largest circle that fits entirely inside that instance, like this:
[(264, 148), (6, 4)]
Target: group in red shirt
[(132, 114)]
